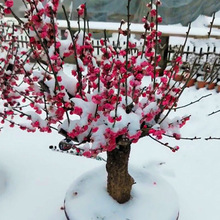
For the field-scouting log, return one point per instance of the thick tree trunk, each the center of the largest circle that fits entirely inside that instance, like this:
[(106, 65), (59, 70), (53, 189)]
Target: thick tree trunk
[(119, 181)]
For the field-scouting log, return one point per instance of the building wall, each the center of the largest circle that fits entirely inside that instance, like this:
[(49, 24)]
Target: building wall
[(172, 11)]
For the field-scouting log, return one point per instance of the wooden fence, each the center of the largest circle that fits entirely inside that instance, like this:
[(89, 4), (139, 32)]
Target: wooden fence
[(23, 41), (198, 52), (207, 60)]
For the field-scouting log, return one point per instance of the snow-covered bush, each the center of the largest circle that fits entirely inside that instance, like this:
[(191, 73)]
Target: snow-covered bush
[(100, 105)]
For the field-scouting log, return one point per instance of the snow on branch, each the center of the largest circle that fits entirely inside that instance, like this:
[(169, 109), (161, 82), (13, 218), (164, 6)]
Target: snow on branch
[(98, 104)]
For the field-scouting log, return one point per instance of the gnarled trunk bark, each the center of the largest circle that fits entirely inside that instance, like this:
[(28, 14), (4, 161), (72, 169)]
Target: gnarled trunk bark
[(119, 181)]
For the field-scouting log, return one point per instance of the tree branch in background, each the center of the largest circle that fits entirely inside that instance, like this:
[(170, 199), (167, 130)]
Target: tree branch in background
[(211, 25), (191, 103), (184, 138), (212, 138), (214, 112), (186, 38), (174, 149), (127, 50)]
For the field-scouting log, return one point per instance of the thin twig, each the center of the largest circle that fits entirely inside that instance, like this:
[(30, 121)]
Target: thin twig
[(84, 25), (212, 138), (183, 106), (75, 52), (118, 39), (187, 36), (144, 35), (126, 65), (162, 143), (211, 25), (156, 47), (213, 112), (75, 151), (117, 102), (184, 138)]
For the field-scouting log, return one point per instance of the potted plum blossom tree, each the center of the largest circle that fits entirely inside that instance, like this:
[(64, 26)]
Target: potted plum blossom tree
[(100, 105)]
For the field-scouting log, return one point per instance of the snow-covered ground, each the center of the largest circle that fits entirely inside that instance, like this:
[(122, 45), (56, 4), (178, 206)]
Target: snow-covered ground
[(36, 178)]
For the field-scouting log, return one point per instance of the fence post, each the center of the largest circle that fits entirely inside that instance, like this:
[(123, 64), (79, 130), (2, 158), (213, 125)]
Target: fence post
[(163, 51)]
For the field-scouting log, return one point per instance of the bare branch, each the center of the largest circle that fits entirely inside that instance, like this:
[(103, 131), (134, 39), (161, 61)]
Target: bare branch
[(212, 138), (156, 47), (187, 36), (75, 52), (214, 112), (211, 25), (183, 106), (164, 144), (128, 37), (75, 152), (184, 138)]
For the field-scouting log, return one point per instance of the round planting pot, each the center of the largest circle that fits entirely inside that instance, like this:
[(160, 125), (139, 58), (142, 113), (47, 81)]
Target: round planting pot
[(218, 87), (200, 83), (211, 85), (152, 198), (191, 82), (178, 77)]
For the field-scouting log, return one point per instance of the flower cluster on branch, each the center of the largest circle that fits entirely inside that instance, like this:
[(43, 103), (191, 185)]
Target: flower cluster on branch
[(98, 103)]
